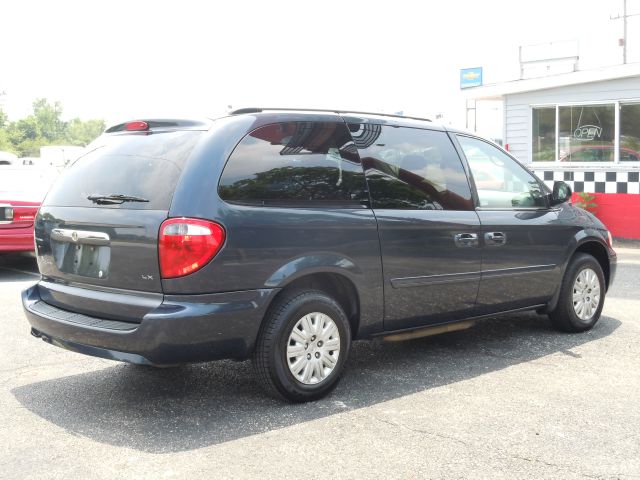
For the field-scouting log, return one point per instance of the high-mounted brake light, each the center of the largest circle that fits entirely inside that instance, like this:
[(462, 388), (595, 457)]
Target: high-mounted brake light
[(185, 245), (137, 126)]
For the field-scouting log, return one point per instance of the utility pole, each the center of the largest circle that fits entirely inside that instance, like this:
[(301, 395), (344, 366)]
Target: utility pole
[(623, 40), (624, 31)]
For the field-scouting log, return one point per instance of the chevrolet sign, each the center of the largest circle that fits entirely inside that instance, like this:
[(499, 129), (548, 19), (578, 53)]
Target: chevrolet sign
[(470, 77)]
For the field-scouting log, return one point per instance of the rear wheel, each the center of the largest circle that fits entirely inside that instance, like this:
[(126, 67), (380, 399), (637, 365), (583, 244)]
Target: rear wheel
[(302, 347), (581, 295)]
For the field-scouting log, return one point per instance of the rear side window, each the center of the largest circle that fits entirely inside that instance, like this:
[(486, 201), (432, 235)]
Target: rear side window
[(412, 169), (295, 164), (142, 165)]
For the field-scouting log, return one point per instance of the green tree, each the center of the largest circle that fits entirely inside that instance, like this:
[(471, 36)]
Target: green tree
[(25, 136), (47, 117), (5, 142), (82, 133), (24, 129), (45, 127)]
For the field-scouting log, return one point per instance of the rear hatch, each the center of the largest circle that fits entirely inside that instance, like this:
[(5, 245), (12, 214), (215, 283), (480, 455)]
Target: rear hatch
[(97, 230)]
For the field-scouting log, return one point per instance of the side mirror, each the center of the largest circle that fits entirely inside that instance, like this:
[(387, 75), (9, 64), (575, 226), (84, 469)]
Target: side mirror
[(561, 193)]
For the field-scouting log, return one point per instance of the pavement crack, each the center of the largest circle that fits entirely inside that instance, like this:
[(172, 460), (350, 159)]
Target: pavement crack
[(566, 468), (418, 430)]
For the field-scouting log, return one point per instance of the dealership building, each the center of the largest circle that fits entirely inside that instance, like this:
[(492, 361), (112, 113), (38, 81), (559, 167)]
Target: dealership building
[(581, 127)]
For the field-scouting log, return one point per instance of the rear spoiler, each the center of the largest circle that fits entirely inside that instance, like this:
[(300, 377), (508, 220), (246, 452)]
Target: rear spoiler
[(158, 125)]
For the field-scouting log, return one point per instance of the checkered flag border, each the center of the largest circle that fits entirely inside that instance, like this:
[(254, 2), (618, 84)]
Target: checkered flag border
[(593, 181)]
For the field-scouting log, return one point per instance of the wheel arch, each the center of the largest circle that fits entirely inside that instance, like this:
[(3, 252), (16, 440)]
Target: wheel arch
[(599, 252), (337, 285), (590, 245)]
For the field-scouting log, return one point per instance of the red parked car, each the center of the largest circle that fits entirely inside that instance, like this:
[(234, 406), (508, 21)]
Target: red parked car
[(599, 153), (22, 189)]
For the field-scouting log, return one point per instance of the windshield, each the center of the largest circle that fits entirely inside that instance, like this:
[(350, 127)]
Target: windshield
[(146, 166)]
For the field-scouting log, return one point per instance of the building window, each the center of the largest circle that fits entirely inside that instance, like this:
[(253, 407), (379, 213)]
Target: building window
[(630, 132), (587, 133), (544, 134)]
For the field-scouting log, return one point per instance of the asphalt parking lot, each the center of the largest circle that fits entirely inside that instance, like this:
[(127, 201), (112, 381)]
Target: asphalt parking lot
[(510, 398)]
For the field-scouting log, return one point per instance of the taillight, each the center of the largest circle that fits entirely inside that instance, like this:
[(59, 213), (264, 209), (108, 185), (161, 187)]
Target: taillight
[(7, 214), (187, 244), (24, 214)]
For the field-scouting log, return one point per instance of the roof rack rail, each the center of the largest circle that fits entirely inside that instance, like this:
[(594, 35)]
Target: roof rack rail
[(241, 111)]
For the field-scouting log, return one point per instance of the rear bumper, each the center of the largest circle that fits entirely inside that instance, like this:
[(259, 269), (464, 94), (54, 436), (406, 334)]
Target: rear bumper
[(182, 329), (16, 240)]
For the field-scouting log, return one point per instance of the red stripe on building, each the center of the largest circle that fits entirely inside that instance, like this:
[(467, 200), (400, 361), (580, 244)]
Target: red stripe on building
[(620, 212)]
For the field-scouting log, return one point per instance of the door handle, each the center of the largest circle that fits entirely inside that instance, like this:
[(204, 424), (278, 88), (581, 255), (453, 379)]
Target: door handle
[(495, 238), (466, 239)]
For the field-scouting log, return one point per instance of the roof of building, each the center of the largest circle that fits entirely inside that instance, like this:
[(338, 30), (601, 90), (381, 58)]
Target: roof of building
[(496, 91)]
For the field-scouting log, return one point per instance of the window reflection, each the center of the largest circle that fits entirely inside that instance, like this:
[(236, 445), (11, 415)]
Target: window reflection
[(630, 132), (146, 166), (410, 168), (544, 134), (295, 163), (587, 133), (500, 181)]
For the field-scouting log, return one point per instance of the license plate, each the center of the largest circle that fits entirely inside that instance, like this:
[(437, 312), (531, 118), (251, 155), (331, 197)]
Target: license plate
[(82, 259)]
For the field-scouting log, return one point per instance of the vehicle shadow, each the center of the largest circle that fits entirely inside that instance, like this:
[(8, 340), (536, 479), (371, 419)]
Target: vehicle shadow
[(18, 268), (190, 407)]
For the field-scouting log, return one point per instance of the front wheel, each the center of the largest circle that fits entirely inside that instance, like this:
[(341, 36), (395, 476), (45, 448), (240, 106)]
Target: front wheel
[(302, 347), (581, 295)]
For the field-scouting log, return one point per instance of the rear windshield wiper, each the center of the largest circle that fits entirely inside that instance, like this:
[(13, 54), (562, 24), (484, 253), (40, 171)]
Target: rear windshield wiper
[(114, 199)]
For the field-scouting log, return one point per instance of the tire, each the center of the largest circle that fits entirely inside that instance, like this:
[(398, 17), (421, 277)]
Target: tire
[(569, 318), (280, 352)]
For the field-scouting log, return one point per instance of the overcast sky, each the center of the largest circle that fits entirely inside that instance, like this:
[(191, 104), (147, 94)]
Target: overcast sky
[(120, 60)]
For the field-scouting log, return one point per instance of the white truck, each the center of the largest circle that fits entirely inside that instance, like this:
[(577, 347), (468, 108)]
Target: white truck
[(59, 156)]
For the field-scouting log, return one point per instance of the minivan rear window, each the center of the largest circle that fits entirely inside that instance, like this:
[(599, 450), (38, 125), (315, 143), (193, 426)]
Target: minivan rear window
[(146, 166)]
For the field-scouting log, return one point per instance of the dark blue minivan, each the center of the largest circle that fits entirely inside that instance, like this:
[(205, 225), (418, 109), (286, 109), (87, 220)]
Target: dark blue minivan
[(284, 235)]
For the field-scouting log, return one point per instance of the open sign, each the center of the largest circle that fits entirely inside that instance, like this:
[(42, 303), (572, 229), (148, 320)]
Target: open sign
[(587, 132)]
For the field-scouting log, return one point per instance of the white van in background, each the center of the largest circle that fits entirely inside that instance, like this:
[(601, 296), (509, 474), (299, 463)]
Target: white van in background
[(59, 156)]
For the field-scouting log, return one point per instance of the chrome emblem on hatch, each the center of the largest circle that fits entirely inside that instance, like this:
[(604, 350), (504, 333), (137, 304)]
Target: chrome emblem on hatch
[(74, 236)]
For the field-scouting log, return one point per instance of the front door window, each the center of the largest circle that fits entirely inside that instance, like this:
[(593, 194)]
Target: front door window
[(501, 182)]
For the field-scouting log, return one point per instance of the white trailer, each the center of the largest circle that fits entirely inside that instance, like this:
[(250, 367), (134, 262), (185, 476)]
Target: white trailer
[(59, 156)]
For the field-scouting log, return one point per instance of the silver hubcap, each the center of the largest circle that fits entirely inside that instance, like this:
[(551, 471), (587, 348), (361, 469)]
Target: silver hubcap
[(313, 348), (586, 294)]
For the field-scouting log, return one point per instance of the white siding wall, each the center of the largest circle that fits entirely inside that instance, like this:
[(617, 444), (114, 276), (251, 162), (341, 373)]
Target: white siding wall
[(518, 107)]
